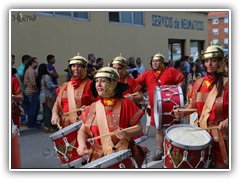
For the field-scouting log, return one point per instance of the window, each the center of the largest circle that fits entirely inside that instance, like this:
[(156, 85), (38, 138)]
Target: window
[(126, 17), (74, 15), (215, 41), (226, 30), (81, 15), (226, 20), (215, 31), (215, 21), (64, 13), (225, 41)]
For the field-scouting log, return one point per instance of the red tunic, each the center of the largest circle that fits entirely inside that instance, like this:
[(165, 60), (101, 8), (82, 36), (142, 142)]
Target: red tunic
[(16, 90), (151, 79), (133, 85), (129, 116), (86, 99)]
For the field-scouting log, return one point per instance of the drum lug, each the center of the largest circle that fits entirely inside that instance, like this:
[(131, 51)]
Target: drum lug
[(121, 165)]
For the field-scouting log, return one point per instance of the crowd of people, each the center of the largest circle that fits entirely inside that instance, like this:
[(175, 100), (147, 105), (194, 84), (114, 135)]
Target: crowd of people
[(115, 97)]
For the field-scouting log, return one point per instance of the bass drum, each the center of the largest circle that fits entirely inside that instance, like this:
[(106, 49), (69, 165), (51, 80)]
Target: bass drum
[(166, 98)]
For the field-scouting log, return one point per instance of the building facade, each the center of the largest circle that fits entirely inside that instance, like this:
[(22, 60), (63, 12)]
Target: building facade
[(218, 29), (107, 34)]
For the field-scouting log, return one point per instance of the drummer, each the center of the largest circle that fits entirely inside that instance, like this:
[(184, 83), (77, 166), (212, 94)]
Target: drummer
[(159, 75), (111, 113), (72, 95), (210, 97), (119, 63)]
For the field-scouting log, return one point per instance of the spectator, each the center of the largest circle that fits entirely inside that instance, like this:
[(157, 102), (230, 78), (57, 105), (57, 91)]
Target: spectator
[(140, 66), (31, 93), (52, 71), (90, 66), (99, 63), (20, 73), (133, 67)]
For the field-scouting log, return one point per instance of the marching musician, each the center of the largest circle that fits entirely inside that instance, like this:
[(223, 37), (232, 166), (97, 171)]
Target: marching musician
[(210, 97), (72, 95), (111, 113), (119, 63), (159, 75)]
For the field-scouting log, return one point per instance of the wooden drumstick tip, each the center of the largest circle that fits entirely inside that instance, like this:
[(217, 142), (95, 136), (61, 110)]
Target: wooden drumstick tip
[(86, 151), (59, 127)]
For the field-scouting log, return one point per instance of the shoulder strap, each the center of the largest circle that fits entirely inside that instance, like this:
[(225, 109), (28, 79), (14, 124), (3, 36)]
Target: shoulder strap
[(101, 117), (81, 90), (114, 119), (197, 86), (89, 118), (61, 90), (71, 102)]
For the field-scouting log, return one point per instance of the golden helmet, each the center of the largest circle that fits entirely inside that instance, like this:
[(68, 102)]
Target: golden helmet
[(120, 60), (107, 72), (212, 51), (158, 56), (78, 60)]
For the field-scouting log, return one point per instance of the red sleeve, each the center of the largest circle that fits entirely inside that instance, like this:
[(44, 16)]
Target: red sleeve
[(141, 78), (87, 97), (179, 76), (130, 113), (16, 88), (134, 85)]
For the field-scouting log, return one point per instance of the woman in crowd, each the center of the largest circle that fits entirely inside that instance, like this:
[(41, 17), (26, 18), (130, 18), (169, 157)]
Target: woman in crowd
[(46, 88)]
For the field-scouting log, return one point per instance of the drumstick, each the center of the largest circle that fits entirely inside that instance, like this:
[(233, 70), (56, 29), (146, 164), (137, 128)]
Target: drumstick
[(112, 133), (58, 125), (133, 94), (86, 151), (209, 128), (79, 109), (187, 110)]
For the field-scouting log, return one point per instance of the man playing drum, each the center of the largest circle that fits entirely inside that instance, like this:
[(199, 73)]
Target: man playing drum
[(159, 75), (111, 113), (210, 97), (72, 95)]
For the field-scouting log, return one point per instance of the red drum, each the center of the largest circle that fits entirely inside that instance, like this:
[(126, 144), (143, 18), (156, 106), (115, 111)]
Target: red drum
[(166, 98), (65, 144), (121, 159), (15, 150), (187, 146)]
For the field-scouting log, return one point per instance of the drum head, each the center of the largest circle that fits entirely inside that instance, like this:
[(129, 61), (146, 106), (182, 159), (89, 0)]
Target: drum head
[(67, 130), (188, 137), (157, 106), (109, 160)]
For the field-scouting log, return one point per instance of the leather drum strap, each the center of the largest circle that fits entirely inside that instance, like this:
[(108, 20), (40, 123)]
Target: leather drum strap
[(101, 117), (71, 103), (208, 107)]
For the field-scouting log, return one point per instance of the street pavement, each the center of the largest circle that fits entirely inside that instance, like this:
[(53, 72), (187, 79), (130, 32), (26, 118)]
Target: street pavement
[(37, 150)]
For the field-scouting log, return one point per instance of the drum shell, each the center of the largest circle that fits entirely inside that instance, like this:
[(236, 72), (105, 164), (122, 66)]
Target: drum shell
[(68, 133), (15, 149), (166, 98), (112, 160), (177, 151)]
